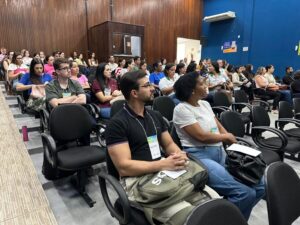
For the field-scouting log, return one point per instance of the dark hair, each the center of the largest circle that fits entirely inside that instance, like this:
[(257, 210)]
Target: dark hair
[(100, 75), (179, 67), (236, 69), (191, 67), (35, 54), (55, 52), (162, 60), (230, 68), (14, 58), (185, 85), (129, 82), (136, 58), (167, 68), (142, 63), (120, 61), (248, 68), (216, 66), (268, 67), (287, 68), (35, 79), (127, 63), (58, 61), (155, 65)]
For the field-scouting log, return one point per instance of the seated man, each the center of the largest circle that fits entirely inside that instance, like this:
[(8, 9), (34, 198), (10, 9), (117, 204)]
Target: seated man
[(63, 89), (134, 135)]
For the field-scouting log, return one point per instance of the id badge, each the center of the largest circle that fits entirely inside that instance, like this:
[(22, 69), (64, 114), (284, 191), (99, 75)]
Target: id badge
[(66, 95), (154, 146), (214, 130)]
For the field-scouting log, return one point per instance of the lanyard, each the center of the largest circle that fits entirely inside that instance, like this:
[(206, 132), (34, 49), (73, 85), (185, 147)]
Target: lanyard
[(140, 122)]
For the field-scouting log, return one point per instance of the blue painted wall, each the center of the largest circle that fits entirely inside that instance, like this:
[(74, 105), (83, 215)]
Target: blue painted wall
[(270, 28)]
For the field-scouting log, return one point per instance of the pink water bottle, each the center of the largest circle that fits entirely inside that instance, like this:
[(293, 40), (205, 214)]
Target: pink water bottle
[(25, 133)]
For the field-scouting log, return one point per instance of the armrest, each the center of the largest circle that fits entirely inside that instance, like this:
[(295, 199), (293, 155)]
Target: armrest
[(267, 104), (21, 103), (288, 120), (96, 110), (256, 136), (124, 202), (234, 104), (50, 149), (44, 115), (297, 116), (245, 142)]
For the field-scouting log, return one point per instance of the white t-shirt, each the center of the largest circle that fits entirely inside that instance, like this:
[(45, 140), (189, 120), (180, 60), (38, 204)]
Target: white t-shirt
[(186, 114), (13, 67), (166, 82)]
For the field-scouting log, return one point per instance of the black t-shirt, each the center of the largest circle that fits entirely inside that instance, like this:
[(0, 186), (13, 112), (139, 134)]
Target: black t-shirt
[(124, 127)]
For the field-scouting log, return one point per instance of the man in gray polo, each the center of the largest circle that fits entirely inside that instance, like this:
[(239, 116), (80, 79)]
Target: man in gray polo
[(63, 89)]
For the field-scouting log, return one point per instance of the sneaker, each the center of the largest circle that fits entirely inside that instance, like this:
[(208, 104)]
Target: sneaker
[(274, 111)]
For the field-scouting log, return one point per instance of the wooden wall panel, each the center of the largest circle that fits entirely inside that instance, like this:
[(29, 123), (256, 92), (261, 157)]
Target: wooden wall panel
[(98, 12), (46, 25), (164, 21), (62, 24)]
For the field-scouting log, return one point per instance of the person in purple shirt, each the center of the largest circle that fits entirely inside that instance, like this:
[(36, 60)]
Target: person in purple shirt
[(34, 82)]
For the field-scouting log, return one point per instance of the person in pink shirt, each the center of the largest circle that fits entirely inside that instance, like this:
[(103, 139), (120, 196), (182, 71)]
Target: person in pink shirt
[(48, 67), (81, 78)]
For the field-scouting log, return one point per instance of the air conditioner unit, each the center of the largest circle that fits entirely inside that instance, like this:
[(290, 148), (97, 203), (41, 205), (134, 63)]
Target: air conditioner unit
[(221, 16)]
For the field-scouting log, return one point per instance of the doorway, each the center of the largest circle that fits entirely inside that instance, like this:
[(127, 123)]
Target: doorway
[(188, 48)]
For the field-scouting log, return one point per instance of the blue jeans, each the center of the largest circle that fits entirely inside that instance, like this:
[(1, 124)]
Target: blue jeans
[(105, 112), (286, 96), (243, 196)]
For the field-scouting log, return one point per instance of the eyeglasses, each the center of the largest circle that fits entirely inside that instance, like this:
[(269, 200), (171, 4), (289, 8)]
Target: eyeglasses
[(65, 69), (19, 58), (146, 85)]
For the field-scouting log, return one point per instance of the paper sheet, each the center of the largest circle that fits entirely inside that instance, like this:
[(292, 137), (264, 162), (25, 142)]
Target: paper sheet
[(244, 149), (174, 174)]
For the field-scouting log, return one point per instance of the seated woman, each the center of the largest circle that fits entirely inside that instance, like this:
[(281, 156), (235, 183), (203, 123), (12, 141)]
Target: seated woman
[(166, 83), (34, 82), (201, 135), (92, 61), (105, 89), (81, 78), (16, 69), (180, 69), (285, 94), (240, 81), (143, 67), (120, 68), (48, 67), (264, 88)]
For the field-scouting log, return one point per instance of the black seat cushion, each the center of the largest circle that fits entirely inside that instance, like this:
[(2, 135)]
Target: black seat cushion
[(293, 146), (270, 156), (80, 157), (292, 132)]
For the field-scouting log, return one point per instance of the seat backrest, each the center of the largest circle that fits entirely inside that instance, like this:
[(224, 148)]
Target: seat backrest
[(285, 110), (175, 137), (221, 99), (216, 212), (70, 122), (260, 116), (116, 107), (111, 169), (296, 102), (165, 106), (240, 96), (233, 123), (283, 194)]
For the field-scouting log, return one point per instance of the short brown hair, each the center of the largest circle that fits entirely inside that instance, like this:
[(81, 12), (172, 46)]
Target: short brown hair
[(59, 61)]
